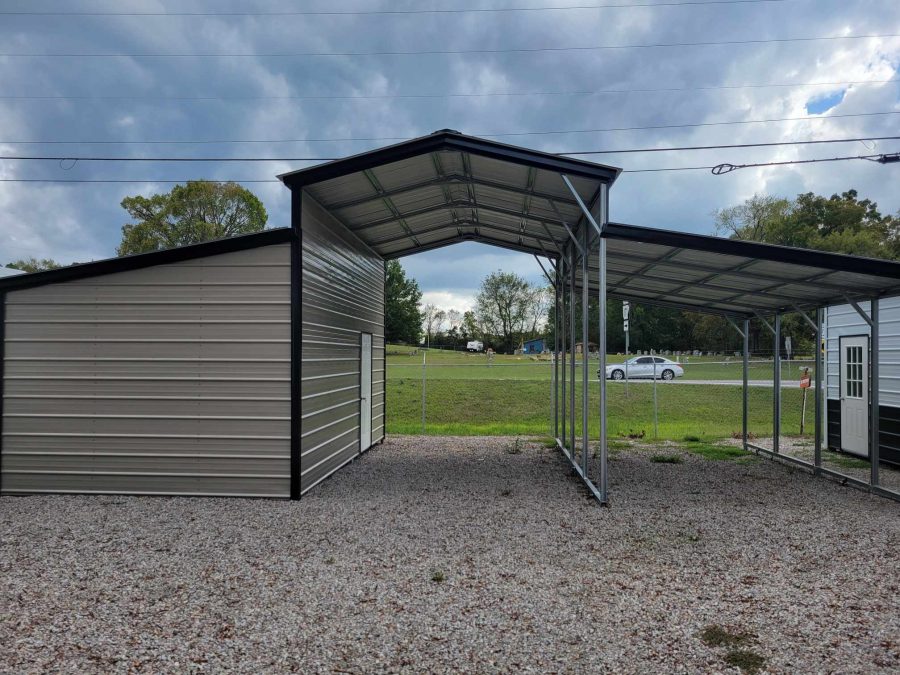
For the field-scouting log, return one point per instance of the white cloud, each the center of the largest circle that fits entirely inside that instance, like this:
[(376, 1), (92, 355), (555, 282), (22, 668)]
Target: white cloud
[(447, 300)]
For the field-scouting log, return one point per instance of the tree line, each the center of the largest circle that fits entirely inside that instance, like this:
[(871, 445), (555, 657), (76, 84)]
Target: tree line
[(508, 309)]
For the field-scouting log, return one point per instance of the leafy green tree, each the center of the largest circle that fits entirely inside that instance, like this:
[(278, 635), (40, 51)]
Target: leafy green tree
[(403, 318), (189, 214), (34, 265), (839, 224), (503, 306)]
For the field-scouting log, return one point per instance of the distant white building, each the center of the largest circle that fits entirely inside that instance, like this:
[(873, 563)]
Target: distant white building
[(8, 272)]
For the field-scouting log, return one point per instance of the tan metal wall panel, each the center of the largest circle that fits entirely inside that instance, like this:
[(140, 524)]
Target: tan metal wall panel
[(342, 297), (173, 379)]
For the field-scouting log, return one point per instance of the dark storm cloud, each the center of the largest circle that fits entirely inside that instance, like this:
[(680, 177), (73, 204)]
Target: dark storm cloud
[(83, 221)]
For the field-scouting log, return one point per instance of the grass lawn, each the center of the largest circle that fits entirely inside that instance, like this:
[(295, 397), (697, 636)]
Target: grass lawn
[(406, 362), (459, 406)]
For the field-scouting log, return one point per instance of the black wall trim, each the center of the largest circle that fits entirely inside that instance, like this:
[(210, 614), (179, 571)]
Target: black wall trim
[(888, 430), (296, 338), (449, 140), (280, 235), (750, 249)]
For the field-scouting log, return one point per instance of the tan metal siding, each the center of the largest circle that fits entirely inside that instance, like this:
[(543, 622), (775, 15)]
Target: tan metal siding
[(172, 379), (342, 297)]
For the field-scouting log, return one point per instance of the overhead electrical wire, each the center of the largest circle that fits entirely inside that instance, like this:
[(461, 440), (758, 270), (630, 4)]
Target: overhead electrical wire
[(482, 134), (368, 97), (612, 151), (426, 52), (883, 158), (469, 10)]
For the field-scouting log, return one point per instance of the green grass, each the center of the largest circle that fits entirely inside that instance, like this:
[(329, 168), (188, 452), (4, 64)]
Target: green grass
[(478, 407), (716, 452), (844, 461), (406, 362)]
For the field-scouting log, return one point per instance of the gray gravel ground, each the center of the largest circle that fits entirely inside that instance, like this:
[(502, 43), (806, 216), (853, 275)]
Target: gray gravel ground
[(536, 576)]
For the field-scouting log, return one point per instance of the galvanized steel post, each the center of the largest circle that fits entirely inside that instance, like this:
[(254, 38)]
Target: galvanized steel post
[(817, 457), (572, 341), (585, 352), (555, 374), (875, 449), (746, 387), (601, 342), (776, 398), (562, 343)]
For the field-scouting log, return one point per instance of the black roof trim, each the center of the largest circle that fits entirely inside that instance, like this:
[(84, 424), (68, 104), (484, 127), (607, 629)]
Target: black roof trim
[(279, 235), (750, 249), (449, 140)]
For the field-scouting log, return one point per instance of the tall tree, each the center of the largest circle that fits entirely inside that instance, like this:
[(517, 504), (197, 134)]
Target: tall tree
[(432, 317), (34, 265), (502, 306), (402, 316), (189, 214)]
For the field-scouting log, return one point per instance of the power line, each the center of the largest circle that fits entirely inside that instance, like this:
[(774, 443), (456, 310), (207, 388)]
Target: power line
[(731, 146), (369, 97), (614, 151), (880, 158), (425, 52), (473, 10), (546, 132)]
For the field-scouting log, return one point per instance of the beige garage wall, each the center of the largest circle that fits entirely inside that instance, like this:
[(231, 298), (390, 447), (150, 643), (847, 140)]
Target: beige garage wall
[(172, 379), (342, 297)]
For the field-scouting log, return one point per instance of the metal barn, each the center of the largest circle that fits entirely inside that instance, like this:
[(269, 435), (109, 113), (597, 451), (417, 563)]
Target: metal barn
[(848, 332), (254, 366)]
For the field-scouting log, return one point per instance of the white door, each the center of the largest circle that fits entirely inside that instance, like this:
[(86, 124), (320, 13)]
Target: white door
[(365, 392), (855, 395)]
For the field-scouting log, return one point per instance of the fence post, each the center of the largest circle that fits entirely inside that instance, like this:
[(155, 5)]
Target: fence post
[(423, 391), (655, 411)]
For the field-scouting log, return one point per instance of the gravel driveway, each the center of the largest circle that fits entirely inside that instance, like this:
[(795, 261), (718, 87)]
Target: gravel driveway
[(440, 554)]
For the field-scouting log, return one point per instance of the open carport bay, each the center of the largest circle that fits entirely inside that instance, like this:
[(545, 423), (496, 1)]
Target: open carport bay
[(535, 575)]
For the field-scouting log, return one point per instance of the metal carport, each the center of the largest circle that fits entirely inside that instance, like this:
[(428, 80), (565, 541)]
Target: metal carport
[(292, 320), (446, 188)]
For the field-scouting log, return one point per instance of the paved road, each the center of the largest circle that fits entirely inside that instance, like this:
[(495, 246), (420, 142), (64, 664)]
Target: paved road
[(738, 383)]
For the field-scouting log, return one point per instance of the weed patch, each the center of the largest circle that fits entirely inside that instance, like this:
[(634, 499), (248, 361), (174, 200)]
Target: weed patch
[(717, 636), (438, 577), (716, 452), (666, 459), (846, 462), (515, 448), (748, 661)]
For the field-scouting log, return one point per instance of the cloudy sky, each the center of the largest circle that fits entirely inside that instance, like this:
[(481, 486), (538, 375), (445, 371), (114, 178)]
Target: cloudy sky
[(241, 70)]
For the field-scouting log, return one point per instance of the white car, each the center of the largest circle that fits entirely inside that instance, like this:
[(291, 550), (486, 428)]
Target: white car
[(640, 367)]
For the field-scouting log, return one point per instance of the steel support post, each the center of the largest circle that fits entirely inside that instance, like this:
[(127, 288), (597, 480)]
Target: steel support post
[(585, 352), (819, 379), (563, 269), (572, 371), (601, 348), (874, 450), (776, 377), (746, 388), (555, 374)]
